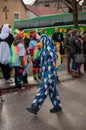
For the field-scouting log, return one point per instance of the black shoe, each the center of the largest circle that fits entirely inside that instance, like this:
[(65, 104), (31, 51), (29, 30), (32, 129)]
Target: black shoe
[(58, 80), (55, 110), (39, 77), (25, 82), (2, 100), (32, 110), (35, 78)]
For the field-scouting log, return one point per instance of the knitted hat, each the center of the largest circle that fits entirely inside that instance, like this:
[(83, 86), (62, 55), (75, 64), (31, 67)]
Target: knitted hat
[(34, 35)]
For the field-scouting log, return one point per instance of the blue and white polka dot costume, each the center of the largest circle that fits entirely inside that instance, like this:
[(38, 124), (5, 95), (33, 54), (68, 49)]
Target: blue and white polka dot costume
[(48, 75)]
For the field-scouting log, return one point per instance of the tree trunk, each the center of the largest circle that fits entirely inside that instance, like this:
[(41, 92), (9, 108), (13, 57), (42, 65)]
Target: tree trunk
[(75, 13)]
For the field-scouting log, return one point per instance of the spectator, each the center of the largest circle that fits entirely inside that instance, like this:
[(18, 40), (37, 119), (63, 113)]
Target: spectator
[(31, 48), (6, 39), (18, 60), (75, 48), (68, 48)]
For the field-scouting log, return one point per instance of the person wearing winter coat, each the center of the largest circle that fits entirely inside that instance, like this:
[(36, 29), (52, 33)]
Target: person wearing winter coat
[(68, 49), (6, 39), (75, 44)]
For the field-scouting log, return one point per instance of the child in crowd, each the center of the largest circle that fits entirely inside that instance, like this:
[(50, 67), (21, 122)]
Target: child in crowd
[(18, 60)]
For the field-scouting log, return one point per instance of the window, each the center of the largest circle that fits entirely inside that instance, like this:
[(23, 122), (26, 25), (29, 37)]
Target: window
[(16, 15)]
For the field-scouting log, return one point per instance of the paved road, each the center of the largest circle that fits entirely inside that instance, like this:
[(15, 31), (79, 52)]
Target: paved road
[(13, 114)]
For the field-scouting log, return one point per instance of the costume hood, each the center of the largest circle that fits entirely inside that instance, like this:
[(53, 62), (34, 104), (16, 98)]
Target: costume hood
[(5, 31), (4, 47)]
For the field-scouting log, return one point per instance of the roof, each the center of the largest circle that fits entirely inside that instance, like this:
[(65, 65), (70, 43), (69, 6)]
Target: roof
[(41, 10), (23, 4)]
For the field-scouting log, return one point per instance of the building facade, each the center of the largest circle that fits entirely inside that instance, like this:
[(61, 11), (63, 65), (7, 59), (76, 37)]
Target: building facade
[(11, 10)]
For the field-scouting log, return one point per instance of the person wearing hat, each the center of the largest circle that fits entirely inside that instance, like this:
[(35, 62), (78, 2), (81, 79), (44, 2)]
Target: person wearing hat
[(68, 48), (35, 61), (58, 39)]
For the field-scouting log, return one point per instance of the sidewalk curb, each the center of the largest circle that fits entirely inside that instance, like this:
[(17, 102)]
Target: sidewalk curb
[(63, 76), (29, 86)]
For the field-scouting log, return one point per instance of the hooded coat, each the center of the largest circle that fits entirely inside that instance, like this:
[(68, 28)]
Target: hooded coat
[(6, 39)]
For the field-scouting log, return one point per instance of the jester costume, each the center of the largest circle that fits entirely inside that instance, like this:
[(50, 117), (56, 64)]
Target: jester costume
[(48, 77), (36, 62)]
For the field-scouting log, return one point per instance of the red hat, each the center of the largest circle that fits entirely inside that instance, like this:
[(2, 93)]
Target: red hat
[(34, 35), (20, 34)]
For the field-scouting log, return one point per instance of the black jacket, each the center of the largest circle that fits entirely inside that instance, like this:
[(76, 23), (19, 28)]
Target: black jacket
[(58, 37), (9, 39)]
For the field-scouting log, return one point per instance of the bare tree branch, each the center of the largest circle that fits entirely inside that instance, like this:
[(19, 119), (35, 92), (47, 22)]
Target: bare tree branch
[(79, 1)]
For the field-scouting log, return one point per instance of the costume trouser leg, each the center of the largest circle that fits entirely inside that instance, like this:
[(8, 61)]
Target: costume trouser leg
[(85, 65), (37, 67), (25, 74), (54, 96), (40, 97), (6, 69), (18, 76), (34, 69), (43, 91), (25, 80)]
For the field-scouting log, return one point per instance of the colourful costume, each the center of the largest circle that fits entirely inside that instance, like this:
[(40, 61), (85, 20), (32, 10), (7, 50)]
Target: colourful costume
[(48, 77), (18, 51), (36, 57), (31, 47)]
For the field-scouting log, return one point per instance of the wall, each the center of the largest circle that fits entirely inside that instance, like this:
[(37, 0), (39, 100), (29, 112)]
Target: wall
[(30, 14), (12, 6)]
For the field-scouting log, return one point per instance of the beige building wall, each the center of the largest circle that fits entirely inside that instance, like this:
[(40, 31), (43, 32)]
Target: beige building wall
[(14, 6)]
